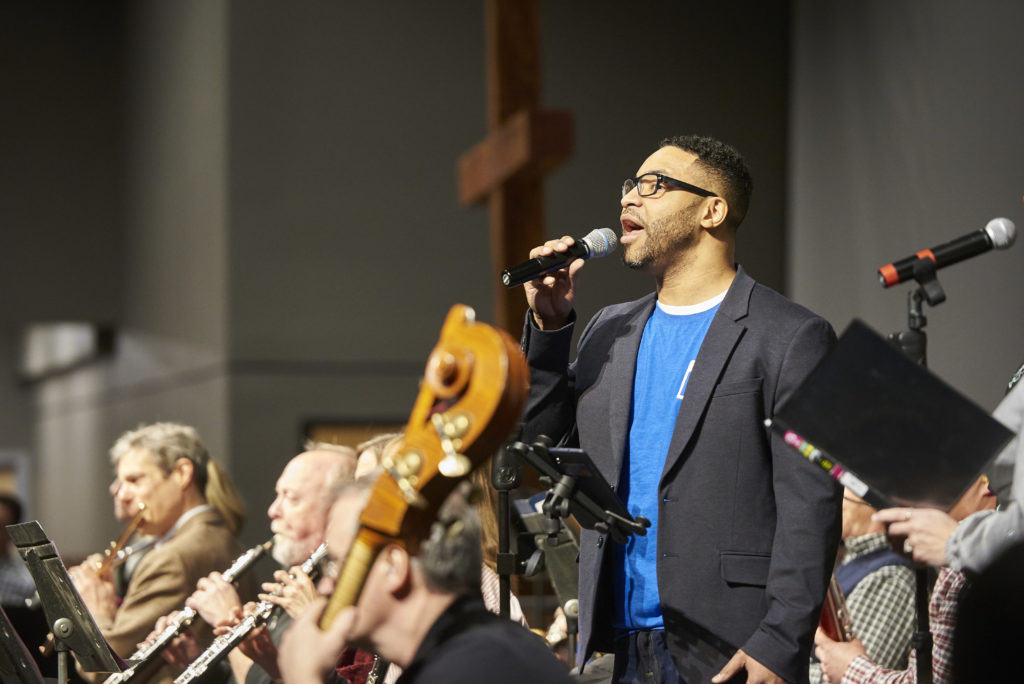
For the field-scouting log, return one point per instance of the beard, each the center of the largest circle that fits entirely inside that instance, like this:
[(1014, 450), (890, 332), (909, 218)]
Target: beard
[(289, 552), (661, 238)]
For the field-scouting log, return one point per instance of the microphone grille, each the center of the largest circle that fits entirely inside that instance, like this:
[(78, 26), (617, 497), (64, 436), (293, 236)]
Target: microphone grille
[(601, 242), (1002, 232)]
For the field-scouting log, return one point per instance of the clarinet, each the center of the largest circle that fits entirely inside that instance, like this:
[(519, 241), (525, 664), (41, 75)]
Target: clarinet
[(377, 670), (142, 657), (227, 641)]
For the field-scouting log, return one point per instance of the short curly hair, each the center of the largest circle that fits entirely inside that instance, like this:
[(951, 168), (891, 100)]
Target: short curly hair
[(722, 162)]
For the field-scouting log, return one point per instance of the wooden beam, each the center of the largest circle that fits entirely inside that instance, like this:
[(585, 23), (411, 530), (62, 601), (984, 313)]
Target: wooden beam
[(513, 58), (529, 142), (523, 144)]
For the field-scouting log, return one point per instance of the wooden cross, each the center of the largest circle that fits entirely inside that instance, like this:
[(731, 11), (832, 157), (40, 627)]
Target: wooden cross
[(506, 169)]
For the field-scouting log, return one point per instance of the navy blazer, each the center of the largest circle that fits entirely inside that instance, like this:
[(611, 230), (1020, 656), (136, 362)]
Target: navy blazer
[(748, 529)]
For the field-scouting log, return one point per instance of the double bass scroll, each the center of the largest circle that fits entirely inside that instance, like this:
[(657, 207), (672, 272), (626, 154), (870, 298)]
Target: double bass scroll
[(473, 392)]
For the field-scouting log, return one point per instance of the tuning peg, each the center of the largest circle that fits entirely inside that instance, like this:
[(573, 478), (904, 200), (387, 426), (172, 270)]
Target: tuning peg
[(450, 428)]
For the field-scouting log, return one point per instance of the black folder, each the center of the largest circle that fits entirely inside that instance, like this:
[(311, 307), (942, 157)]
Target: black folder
[(878, 421)]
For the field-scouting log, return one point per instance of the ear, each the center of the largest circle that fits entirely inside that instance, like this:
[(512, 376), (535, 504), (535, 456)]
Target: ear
[(183, 472), (714, 211), (397, 567)]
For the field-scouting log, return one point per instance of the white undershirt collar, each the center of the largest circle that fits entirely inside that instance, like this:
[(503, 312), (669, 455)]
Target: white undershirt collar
[(690, 309)]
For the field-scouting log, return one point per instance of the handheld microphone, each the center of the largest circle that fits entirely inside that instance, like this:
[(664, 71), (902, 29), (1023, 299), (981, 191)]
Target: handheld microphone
[(999, 234), (597, 243)]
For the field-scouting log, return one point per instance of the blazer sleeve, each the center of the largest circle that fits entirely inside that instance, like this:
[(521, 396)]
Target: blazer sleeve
[(551, 407)]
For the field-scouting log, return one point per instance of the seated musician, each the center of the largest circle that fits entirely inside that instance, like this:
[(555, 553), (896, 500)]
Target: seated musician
[(847, 662), (423, 612), (305, 491), (191, 510), (878, 587)]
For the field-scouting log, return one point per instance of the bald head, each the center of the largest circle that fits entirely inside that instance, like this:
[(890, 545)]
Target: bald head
[(332, 464), (305, 491)]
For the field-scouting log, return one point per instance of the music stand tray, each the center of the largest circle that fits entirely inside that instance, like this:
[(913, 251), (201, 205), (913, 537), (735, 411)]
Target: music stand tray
[(905, 435), (577, 488), (66, 614)]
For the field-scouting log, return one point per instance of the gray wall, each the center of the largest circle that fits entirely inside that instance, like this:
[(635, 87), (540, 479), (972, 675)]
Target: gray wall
[(170, 362), (60, 210), (906, 134)]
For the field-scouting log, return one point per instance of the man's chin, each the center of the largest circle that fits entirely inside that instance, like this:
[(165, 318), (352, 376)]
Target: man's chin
[(635, 262), (286, 553)]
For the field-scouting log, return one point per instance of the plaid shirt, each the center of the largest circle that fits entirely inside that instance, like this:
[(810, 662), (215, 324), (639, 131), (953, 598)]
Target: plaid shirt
[(942, 614), (881, 607)]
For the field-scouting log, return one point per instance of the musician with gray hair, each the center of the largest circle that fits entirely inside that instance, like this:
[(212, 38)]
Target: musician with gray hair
[(194, 514), (421, 610), (305, 490)]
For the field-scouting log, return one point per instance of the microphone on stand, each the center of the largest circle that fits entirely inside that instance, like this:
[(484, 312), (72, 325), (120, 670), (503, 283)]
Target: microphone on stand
[(999, 234), (597, 243)]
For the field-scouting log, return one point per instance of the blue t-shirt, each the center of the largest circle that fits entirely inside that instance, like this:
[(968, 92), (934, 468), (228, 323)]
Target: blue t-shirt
[(668, 351)]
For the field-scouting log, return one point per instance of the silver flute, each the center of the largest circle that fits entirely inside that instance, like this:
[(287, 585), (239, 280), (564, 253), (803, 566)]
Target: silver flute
[(142, 657), (223, 644)]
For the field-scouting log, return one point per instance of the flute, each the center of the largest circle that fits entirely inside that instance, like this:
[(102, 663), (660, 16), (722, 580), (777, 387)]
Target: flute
[(227, 641), (142, 657)]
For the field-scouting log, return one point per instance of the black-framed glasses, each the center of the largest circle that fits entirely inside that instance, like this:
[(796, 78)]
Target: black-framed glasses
[(648, 184)]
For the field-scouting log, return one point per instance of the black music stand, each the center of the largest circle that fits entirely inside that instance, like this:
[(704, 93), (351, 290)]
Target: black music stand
[(575, 487), (73, 626), (16, 663)]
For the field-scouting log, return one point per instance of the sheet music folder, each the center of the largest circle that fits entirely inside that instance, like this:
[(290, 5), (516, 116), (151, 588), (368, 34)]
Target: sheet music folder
[(900, 430)]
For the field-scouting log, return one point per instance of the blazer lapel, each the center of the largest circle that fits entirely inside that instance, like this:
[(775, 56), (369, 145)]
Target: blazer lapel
[(620, 384), (722, 337)]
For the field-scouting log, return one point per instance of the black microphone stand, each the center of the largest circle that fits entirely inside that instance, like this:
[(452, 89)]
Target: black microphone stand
[(506, 475), (913, 342)]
